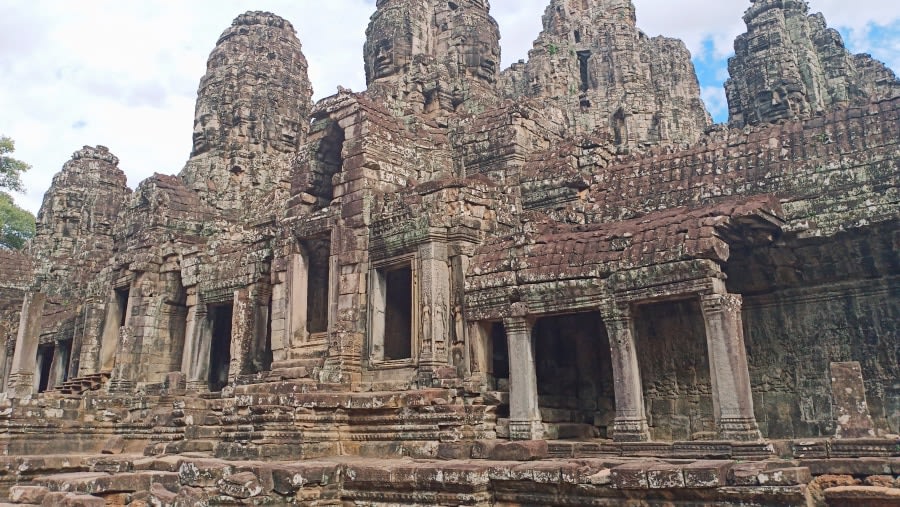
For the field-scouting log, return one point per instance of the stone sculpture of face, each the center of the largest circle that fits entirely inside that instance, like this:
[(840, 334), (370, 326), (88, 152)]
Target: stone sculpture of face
[(388, 48), (783, 102), (206, 129), (478, 39)]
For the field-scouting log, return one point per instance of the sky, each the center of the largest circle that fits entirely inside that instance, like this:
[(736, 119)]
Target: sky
[(124, 73)]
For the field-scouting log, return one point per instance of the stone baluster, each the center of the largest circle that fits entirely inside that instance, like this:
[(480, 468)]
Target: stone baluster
[(732, 398)]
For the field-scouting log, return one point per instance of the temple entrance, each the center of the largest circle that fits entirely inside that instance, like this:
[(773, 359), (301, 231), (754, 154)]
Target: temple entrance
[(670, 339), (220, 317), (318, 253), (574, 376), (392, 319)]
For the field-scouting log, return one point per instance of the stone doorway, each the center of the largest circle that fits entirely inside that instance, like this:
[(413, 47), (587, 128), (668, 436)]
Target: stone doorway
[(44, 365), (574, 376), (670, 338), (220, 317)]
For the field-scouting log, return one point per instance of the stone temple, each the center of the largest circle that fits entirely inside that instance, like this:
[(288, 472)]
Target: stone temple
[(554, 284)]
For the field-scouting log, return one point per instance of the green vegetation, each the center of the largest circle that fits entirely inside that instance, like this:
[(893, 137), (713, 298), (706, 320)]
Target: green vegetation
[(16, 224)]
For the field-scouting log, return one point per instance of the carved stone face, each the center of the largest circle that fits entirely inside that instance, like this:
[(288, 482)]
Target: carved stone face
[(389, 45), (206, 129), (783, 102), (482, 60)]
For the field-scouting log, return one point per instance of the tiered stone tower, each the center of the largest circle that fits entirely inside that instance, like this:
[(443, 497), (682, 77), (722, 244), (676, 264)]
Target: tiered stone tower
[(790, 65), (593, 62), (428, 56), (251, 112), (451, 267)]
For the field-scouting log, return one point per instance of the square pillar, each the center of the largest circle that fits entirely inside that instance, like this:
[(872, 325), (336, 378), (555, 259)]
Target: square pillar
[(524, 411), (21, 377), (630, 424), (730, 375), (433, 305)]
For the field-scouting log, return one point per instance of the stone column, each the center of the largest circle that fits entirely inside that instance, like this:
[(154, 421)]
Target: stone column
[(630, 424), (732, 398), (58, 366), (198, 340), (524, 411), (434, 306), (21, 377)]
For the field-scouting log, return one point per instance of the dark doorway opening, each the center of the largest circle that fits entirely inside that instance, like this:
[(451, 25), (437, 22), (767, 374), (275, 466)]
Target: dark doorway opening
[(318, 272), (398, 313), (583, 58), (220, 348), (499, 356), (574, 375), (122, 295), (44, 364)]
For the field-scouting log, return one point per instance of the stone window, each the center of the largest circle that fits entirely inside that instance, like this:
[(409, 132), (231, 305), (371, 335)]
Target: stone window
[(121, 301), (583, 58), (392, 325)]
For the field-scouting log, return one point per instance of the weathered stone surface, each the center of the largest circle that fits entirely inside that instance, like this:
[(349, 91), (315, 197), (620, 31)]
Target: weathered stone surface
[(850, 407), (376, 289), (593, 62), (244, 140), (868, 496), (790, 65)]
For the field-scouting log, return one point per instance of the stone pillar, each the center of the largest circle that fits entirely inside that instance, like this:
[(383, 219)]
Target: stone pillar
[(58, 366), (630, 424), (732, 398), (524, 411), (434, 306), (198, 340), (21, 377)]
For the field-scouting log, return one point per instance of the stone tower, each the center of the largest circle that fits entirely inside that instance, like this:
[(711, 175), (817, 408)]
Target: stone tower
[(250, 113), (593, 61), (790, 65), (74, 230), (426, 56)]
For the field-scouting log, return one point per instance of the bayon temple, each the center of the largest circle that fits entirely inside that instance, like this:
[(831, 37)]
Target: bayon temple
[(554, 284)]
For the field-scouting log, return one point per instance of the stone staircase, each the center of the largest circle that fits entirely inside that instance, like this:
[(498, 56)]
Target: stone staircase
[(79, 385)]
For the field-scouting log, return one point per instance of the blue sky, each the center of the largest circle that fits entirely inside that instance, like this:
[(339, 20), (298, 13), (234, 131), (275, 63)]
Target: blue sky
[(124, 74)]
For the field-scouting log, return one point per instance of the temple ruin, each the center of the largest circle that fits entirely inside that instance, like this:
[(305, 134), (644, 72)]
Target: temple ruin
[(554, 284)]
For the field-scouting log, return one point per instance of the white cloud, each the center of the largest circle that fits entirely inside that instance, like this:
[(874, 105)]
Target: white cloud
[(125, 74)]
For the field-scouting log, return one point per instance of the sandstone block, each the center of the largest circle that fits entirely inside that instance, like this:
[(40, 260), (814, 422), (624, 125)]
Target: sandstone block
[(785, 476), (520, 451), (665, 476), (27, 494), (631, 475), (240, 485), (862, 496), (746, 474), (706, 474)]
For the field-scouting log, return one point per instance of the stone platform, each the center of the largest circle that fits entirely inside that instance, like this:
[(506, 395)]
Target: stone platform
[(520, 479)]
